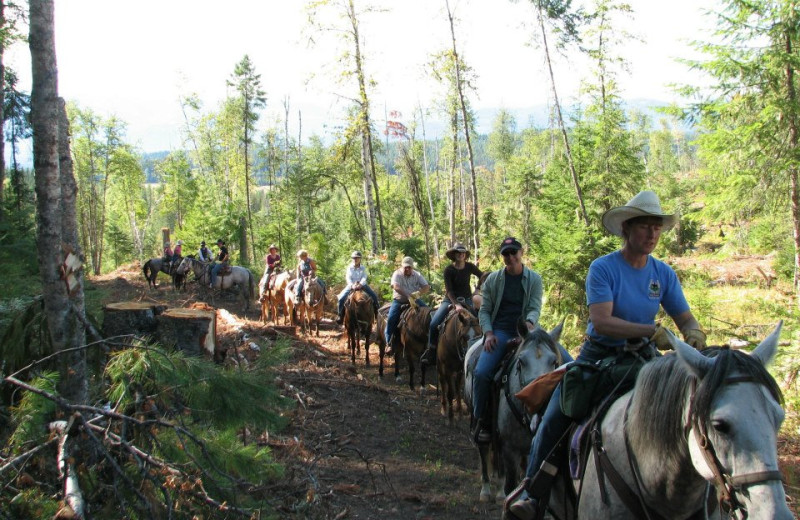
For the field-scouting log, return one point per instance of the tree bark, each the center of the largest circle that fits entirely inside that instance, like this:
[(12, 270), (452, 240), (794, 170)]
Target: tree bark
[(192, 331), (52, 214), (794, 138), (2, 105)]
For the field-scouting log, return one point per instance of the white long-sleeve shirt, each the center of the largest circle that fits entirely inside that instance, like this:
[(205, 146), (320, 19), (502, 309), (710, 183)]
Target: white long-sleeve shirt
[(356, 275)]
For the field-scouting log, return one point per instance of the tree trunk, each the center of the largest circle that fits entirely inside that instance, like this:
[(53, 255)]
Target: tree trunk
[(575, 182), (794, 137), (134, 318), (464, 116), (451, 189), (2, 114), (192, 331), (52, 214), (428, 188)]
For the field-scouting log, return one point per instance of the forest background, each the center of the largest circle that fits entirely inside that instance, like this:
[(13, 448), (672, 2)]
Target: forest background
[(726, 161)]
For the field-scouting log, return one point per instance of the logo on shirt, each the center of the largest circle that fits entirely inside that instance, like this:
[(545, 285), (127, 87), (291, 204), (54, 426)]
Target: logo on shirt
[(654, 290)]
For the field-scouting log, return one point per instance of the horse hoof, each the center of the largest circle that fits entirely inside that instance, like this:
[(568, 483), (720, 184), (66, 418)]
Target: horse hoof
[(500, 498), (485, 497)]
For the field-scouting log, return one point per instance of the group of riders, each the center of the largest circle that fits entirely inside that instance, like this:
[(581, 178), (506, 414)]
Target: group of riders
[(624, 289), (172, 257)]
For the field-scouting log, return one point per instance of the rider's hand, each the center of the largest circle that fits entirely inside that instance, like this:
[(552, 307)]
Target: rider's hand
[(458, 307), (661, 338), (489, 341), (695, 338)]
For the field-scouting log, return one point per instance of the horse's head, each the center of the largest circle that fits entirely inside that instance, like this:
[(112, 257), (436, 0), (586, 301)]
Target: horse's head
[(538, 353), (728, 422), (467, 326), (184, 266)]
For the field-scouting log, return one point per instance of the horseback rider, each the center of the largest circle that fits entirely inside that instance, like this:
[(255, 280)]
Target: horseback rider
[(356, 278), (167, 258), (509, 294), (222, 261), (273, 261), (458, 294), (176, 255), (204, 254), (624, 291), (407, 285), (306, 266)]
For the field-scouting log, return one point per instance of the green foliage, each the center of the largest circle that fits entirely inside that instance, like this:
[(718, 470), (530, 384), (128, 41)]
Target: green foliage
[(31, 416), (33, 503), (26, 338), (178, 383)]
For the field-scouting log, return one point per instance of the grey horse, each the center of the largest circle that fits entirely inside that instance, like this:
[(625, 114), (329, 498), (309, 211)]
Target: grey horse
[(239, 277)]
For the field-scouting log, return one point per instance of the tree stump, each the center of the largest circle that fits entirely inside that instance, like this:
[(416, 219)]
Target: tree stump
[(192, 331), (130, 318)]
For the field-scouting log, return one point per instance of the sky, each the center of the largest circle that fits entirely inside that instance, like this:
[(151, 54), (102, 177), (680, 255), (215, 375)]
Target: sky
[(136, 60)]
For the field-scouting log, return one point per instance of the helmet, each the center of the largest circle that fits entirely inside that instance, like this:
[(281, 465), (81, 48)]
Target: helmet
[(203, 243), (220, 241)]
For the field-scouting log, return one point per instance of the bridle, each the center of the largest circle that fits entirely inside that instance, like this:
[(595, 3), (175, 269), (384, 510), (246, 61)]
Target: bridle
[(727, 485)]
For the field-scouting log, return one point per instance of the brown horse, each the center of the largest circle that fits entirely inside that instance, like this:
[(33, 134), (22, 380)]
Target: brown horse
[(309, 310), (358, 318), (272, 295), (413, 331), (289, 307), (460, 330), (380, 339)]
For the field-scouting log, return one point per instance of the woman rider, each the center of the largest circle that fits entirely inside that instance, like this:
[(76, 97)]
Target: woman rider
[(624, 291)]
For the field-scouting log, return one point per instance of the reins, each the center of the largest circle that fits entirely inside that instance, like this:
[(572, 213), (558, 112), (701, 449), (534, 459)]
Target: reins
[(727, 485)]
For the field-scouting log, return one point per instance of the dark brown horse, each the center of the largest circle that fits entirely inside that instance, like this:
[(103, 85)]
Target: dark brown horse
[(460, 330), (358, 318)]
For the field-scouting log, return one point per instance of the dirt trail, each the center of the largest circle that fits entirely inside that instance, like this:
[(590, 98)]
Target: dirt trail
[(358, 446)]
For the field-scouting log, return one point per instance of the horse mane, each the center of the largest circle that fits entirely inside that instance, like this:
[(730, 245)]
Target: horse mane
[(540, 336), (658, 405)]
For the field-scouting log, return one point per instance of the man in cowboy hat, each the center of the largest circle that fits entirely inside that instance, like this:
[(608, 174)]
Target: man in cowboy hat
[(624, 291), (407, 285), (355, 278), (510, 294), (204, 254), (457, 292)]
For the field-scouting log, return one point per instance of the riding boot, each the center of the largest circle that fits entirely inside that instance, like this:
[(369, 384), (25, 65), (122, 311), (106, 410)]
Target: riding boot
[(481, 433), (429, 356)]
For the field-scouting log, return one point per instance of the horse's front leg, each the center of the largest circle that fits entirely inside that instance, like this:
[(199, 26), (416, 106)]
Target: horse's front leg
[(486, 486)]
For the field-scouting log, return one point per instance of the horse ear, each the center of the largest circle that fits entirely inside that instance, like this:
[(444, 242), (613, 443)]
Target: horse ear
[(694, 360), (766, 350), (555, 334)]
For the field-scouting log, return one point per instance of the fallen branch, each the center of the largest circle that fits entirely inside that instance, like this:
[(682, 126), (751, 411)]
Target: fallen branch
[(66, 471), (25, 456)]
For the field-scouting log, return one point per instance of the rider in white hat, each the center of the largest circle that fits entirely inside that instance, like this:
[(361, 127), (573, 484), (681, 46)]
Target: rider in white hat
[(624, 291), (356, 279)]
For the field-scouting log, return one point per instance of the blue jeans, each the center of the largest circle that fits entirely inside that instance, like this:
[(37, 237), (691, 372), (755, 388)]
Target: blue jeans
[(346, 292), (214, 271), (298, 289), (394, 317), (554, 423), (440, 315), (485, 369)]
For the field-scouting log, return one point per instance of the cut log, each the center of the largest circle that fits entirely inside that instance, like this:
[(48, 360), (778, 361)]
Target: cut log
[(135, 318), (192, 331)]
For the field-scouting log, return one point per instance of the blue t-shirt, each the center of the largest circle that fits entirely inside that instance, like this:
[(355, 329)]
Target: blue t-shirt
[(635, 293)]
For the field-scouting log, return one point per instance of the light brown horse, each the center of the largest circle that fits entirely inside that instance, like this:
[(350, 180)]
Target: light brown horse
[(309, 309), (358, 318), (413, 331), (272, 296), (460, 330)]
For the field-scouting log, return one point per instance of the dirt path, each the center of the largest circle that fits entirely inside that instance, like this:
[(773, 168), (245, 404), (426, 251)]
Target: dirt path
[(356, 446)]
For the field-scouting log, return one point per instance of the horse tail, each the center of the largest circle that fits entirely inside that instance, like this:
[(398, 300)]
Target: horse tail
[(252, 282), (145, 268)]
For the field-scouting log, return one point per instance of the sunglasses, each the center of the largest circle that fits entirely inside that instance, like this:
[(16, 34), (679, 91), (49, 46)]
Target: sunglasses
[(509, 252)]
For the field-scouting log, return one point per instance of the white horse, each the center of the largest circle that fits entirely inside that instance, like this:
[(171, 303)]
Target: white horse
[(696, 423), (239, 277), (536, 355)]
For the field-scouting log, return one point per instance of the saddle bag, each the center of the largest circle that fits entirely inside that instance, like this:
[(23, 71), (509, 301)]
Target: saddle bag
[(585, 385)]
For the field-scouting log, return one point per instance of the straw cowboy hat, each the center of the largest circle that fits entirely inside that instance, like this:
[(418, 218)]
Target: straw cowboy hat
[(271, 247), (458, 247), (644, 204), (407, 262), (301, 253), (355, 254)]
